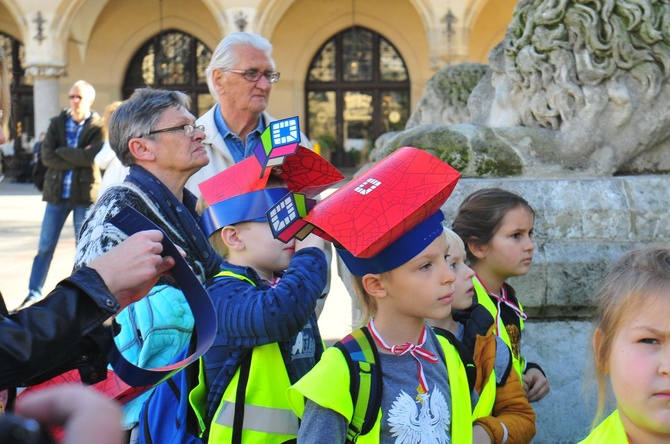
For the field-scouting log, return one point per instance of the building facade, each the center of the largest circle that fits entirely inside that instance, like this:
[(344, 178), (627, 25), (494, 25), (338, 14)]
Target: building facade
[(350, 69)]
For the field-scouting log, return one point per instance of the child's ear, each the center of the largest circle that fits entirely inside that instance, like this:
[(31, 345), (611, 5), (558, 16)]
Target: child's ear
[(231, 238), (138, 148), (373, 285), (477, 249)]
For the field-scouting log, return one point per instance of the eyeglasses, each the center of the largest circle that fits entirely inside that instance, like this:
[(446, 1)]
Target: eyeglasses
[(75, 97), (189, 129), (254, 75)]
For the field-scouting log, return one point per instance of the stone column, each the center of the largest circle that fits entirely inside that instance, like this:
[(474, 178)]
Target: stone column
[(46, 99)]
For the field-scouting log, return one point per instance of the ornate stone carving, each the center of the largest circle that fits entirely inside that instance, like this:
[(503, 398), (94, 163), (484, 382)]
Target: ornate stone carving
[(45, 71), (590, 79)]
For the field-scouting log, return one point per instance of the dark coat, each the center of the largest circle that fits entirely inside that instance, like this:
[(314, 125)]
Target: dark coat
[(61, 332), (58, 158)]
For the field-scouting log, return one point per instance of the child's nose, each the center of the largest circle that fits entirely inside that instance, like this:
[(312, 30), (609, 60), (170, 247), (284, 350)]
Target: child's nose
[(448, 276), (664, 364), (530, 245)]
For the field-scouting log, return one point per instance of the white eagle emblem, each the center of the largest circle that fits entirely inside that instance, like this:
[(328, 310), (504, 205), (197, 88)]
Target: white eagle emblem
[(425, 421)]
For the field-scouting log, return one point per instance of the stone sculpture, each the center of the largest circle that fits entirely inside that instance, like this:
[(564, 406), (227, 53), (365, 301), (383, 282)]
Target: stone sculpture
[(575, 87)]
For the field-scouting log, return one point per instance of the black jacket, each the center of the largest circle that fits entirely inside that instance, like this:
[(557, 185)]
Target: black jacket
[(63, 331), (58, 157)]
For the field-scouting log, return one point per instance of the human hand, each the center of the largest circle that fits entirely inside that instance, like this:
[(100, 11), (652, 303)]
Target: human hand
[(312, 240), (87, 416), (535, 384), (480, 436), (131, 268)]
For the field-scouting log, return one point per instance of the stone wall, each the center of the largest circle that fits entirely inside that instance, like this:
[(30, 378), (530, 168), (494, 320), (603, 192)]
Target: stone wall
[(581, 227)]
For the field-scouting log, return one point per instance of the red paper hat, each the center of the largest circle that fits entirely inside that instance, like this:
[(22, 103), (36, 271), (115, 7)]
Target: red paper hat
[(304, 172), (390, 200), (239, 194)]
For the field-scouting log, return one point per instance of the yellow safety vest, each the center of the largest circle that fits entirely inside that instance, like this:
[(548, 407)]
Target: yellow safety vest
[(262, 380), (609, 431), (483, 298), (335, 394), (486, 399)]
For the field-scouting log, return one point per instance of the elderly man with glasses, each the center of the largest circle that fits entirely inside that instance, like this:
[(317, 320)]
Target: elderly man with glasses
[(240, 76), (154, 134)]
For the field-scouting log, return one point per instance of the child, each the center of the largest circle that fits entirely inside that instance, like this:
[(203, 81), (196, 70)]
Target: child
[(632, 345), (265, 296), (502, 413), (267, 334), (496, 227), (390, 223)]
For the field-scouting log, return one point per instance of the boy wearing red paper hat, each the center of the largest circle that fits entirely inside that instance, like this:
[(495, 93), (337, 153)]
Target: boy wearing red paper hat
[(388, 226), (265, 296)]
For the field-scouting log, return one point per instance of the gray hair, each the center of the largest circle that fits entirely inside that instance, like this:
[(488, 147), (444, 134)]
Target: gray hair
[(223, 56), (86, 88), (137, 115)]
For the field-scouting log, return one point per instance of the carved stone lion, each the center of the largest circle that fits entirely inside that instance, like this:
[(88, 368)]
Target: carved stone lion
[(575, 86)]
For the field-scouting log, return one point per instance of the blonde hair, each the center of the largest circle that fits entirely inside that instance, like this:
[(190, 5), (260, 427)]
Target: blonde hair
[(453, 239), (366, 303), (640, 277), (215, 239)]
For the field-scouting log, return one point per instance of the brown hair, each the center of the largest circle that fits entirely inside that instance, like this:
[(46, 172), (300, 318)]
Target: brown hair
[(481, 214), (637, 279)]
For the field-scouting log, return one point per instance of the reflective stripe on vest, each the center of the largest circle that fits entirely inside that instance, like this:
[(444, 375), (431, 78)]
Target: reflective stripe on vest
[(609, 431), (484, 299), (267, 417)]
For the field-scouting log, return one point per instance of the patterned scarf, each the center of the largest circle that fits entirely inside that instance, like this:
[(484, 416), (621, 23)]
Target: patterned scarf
[(182, 217)]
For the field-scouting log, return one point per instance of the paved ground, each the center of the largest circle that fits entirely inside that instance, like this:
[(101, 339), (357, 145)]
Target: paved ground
[(21, 211)]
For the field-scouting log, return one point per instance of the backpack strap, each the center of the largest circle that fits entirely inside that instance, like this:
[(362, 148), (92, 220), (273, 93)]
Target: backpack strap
[(238, 420), (463, 352), (366, 381)]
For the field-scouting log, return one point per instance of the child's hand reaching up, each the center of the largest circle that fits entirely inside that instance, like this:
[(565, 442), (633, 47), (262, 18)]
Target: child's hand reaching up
[(535, 384), (311, 240)]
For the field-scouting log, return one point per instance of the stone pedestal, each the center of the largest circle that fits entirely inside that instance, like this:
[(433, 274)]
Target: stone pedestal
[(582, 225)]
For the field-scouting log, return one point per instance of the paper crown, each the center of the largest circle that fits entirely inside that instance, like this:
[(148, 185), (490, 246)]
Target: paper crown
[(385, 216), (239, 194)]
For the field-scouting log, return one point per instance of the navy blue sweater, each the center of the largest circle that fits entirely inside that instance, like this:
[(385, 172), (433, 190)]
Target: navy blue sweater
[(254, 315)]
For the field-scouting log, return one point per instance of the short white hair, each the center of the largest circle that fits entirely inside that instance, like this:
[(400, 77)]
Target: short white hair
[(223, 56)]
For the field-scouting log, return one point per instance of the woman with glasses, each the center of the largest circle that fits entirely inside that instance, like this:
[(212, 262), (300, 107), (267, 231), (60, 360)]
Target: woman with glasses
[(156, 136), (240, 76)]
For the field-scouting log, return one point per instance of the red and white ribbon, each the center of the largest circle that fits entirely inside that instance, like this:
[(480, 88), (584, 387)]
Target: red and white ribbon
[(415, 350), (502, 299)]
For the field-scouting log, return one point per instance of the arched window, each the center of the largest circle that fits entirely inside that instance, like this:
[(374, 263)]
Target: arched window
[(357, 88), (22, 124), (172, 60)]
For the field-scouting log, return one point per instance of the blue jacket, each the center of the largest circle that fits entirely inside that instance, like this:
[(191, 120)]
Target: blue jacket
[(249, 316)]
